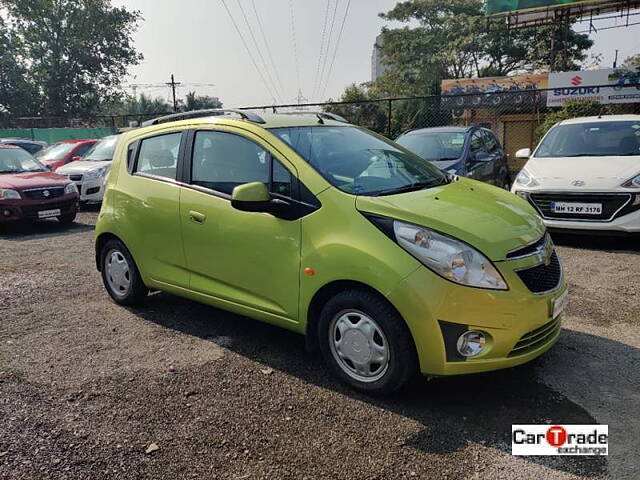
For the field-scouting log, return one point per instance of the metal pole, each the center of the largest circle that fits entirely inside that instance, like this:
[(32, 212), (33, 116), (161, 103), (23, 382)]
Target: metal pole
[(389, 118)]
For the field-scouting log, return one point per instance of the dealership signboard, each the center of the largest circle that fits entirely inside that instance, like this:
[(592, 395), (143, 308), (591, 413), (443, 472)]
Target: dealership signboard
[(591, 85)]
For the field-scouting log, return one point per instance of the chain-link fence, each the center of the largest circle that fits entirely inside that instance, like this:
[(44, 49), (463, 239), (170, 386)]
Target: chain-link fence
[(518, 117)]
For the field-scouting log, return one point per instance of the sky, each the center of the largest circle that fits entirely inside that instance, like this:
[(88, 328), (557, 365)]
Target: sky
[(197, 42)]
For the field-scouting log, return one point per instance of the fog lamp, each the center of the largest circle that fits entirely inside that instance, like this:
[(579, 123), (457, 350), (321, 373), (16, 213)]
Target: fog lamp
[(471, 343), (6, 213)]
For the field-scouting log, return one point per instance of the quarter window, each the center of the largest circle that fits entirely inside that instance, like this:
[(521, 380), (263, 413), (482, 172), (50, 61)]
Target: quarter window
[(222, 161), (159, 156)]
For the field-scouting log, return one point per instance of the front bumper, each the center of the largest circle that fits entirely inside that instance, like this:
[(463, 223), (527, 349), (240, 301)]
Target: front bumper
[(27, 210), (510, 317), (623, 220), (91, 190)]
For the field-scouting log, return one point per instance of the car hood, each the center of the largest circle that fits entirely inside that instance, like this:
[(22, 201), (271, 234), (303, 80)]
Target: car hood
[(597, 173), (23, 181), (490, 219), (81, 167)]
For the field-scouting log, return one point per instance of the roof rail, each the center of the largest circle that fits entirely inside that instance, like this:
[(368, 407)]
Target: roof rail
[(328, 115), (250, 116)]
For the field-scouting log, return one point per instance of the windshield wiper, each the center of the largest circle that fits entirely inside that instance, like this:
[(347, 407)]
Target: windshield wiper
[(444, 159), (412, 187), (11, 171)]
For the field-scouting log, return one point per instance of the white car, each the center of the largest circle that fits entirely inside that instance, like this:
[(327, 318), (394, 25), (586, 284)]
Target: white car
[(90, 173), (585, 174)]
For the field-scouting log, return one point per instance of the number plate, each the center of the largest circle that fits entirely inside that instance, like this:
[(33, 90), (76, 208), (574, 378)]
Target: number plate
[(576, 208), (559, 304), (49, 213)]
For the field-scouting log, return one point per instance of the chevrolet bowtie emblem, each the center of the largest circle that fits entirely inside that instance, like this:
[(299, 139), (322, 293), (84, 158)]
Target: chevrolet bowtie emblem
[(578, 183)]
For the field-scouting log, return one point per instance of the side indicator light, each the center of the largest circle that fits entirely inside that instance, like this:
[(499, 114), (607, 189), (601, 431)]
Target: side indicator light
[(309, 271)]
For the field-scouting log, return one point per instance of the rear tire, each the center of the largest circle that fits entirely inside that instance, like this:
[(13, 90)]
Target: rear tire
[(120, 274), (366, 342)]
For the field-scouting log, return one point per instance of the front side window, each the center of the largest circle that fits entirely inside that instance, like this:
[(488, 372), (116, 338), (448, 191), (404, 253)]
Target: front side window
[(491, 142), (222, 161), (434, 146), (477, 144), (159, 156), (359, 162), (593, 139), (16, 160)]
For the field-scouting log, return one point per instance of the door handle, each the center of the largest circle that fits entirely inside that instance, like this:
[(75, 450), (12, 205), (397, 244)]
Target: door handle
[(197, 217)]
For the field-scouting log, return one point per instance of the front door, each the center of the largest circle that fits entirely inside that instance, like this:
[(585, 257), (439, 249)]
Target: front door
[(479, 169), (249, 259)]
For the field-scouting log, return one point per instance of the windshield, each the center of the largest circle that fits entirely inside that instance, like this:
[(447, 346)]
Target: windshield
[(16, 160), (54, 152), (434, 146), (596, 139), (359, 162), (102, 151)]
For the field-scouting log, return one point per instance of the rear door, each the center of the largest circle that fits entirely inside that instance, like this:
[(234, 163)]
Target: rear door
[(244, 258), (148, 207)]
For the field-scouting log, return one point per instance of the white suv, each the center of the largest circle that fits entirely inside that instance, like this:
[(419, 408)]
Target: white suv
[(90, 172), (585, 174)]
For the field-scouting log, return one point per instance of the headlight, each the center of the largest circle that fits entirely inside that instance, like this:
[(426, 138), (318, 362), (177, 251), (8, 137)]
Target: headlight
[(525, 179), (448, 257), (98, 172), (71, 188), (633, 182), (7, 194)]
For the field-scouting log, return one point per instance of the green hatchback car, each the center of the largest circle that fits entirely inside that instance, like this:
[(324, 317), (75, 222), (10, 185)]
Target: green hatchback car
[(387, 264)]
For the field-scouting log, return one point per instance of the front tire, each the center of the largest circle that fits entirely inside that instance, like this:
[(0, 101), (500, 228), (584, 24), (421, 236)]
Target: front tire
[(120, 274), (366, 343)]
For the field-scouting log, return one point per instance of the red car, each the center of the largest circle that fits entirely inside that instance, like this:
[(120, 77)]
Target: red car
[(29, 191), (61, 153)]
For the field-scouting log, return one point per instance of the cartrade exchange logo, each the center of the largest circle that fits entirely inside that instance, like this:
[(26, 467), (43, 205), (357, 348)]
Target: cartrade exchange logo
[(560, 439)]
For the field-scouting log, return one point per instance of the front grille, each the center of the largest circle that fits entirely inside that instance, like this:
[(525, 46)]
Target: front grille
[(536, 338), (32, 210), (43, 193), (542, 278), (612, 205), (75, 178)]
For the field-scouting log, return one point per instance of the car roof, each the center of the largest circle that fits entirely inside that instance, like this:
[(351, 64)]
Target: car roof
[(269, 120), (8, 146), (602, 118), (78, 140), (21, 140), (440, 130)]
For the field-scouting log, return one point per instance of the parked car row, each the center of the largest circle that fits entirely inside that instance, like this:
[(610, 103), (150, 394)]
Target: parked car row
[(55, 181)]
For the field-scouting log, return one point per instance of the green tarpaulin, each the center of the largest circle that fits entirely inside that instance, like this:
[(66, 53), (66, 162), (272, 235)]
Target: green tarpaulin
[(494, 7), (52, 135)]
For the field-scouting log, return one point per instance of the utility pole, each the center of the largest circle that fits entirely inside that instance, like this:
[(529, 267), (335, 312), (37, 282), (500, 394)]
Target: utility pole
[(615, 60), (173, 84)]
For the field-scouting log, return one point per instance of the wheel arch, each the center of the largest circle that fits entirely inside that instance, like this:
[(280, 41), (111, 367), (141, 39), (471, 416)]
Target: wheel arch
[(326, 292), (101, 240)]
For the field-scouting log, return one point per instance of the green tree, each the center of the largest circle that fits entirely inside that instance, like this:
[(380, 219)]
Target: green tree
[(199, 102), (453, 39), (140, 105), (17, 95), (77, 51)]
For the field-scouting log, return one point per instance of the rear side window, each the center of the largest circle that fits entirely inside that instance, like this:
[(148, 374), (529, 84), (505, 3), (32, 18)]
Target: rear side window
[(159, 156), (222, 161)]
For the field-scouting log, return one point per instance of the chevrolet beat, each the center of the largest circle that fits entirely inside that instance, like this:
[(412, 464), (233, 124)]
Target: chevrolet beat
[(387, 264)]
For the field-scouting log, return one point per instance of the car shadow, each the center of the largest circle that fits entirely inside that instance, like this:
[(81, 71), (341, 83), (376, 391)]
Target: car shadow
[(455, 411), (16, 232), (627, 244)]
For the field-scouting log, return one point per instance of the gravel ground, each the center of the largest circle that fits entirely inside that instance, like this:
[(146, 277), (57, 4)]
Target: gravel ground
[(85, 387)]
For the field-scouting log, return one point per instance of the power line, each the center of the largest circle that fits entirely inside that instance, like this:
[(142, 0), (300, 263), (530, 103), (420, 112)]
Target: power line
[(326, 56), (295, 46), (255, 42), (335, 52), (255, 65), (266, 42), (324, 32)]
